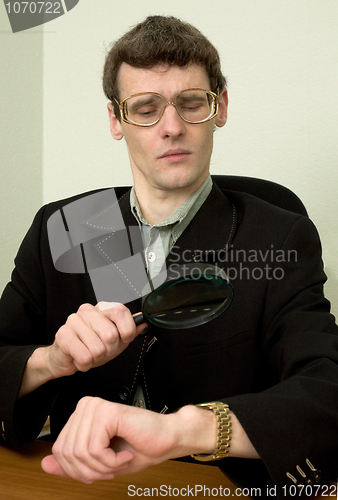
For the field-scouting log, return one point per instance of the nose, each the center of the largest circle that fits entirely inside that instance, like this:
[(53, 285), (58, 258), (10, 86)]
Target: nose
[(171, 122)]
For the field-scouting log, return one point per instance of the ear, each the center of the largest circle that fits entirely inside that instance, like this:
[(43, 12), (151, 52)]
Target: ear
[(222, 115), (115, 124)]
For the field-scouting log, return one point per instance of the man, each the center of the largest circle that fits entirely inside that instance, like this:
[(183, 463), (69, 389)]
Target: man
[(267, 365)]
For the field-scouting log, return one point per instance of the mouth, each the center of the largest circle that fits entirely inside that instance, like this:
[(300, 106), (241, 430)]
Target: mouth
[(175, 155)]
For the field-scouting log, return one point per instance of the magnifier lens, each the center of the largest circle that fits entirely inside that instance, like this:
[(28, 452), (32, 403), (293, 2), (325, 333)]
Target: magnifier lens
[(187, 302)]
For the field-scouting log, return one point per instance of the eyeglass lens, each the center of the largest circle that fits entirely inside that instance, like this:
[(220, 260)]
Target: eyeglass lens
[(193, 105)]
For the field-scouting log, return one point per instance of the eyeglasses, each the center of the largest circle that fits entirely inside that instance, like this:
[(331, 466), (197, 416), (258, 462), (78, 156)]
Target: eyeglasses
[(147, 108)]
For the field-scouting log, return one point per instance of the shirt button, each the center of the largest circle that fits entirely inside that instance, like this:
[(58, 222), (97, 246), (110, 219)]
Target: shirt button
[(139, 403), (151, 256)]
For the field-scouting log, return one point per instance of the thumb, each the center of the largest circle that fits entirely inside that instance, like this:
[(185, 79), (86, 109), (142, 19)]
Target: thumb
[(50, 465)]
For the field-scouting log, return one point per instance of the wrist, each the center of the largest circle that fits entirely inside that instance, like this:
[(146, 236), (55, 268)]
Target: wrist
[(197, 430), (41, 363), (37, 371), (222, 414)]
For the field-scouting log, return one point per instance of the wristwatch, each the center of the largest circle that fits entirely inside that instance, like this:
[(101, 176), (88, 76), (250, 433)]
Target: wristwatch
[(222, 413)]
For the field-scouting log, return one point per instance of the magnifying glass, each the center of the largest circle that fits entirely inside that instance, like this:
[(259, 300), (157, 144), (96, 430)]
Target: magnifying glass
[(200, 294)]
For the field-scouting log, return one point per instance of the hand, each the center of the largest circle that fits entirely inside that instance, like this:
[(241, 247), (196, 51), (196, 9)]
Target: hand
[(103, 439), (91, 337)]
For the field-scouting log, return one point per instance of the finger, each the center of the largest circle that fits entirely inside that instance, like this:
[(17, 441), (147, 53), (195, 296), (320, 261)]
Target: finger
[(102, 306), (98, 337), (84, 346), (73, 460), (93, 449), (80, 454), (51, 466), (141, 327), (64, 461), (108, 309), (68, 341), (121, 316), (106, 332)]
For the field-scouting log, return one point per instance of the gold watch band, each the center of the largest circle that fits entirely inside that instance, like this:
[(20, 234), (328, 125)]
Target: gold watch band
[(222, 413)]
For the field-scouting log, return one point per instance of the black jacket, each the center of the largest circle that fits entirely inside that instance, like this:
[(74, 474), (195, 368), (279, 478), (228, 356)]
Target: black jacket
[(272, 355)]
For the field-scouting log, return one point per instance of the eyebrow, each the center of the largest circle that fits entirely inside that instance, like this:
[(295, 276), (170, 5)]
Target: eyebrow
[(143, 101), (191, 97)]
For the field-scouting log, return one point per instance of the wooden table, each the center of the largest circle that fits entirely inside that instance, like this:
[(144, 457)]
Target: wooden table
[(21, 478)]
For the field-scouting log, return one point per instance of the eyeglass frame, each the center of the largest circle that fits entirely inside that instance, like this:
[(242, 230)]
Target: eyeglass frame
[(121, 105)]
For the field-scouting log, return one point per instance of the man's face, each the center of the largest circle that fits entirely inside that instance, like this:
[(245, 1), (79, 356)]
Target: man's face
[(172, 154)]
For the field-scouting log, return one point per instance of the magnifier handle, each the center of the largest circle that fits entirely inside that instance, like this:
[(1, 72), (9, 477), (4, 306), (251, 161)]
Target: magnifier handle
[(139, 319)]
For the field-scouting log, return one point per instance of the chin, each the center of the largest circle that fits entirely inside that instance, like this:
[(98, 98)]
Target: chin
[(180, 180), (179, 184)]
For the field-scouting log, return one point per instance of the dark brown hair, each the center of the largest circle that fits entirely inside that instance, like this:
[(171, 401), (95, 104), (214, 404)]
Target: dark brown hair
[(161, 40)]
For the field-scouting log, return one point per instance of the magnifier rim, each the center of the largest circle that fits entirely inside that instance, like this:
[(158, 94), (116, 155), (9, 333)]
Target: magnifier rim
[(193, 322)]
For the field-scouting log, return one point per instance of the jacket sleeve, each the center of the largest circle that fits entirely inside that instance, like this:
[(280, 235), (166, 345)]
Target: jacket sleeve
[(22, 330), (295, 421)]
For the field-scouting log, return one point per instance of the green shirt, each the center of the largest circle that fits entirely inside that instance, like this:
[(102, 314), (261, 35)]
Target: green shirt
[(160, 238)]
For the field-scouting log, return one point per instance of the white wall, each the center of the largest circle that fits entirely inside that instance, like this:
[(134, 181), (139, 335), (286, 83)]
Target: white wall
[(281, 61), (21, 137)]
